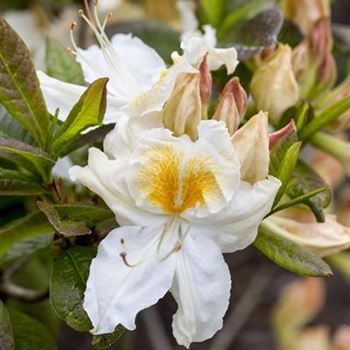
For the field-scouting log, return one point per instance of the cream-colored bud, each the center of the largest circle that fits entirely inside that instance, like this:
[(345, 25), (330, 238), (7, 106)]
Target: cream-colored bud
[(252, 145), (232, 105), (304, 13), (183, 111), (323, 239), (274, 87)]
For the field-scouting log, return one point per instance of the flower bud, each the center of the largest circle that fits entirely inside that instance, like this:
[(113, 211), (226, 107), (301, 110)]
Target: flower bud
[(304, 13), (183, 110), (274, 87), (323, 239), (232, 105), (281, 133), (252, 145), (205, 86)]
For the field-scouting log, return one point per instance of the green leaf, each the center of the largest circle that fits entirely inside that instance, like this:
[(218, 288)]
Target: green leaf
[(88, 111), (24, 236), (68, 284), (302, 116), (20, 90), (305, 180), (30, 157), (157, 35), (6, 334), (214, 10), (60, 64), (326, 117), (12, 129), (287, 166), (298, 200), (66, 227), (30, 227), (106, 340), (12, 183), (29, 333), (289, 255), (249, 36)]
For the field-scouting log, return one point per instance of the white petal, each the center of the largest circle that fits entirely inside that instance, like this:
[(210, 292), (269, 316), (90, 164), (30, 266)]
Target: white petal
[(107, 178), (156, 95), (59, 94), (62, 95), (235, 227), (116, 292), (189, 22), (219, 57), (122, 139), (201, 288)]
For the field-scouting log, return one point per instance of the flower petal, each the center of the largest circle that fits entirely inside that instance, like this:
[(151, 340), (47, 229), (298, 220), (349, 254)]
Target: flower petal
[(119, 285), (62, 95), (219, 57), (107, 178), (201, 288), (235, 227), (59, 94)]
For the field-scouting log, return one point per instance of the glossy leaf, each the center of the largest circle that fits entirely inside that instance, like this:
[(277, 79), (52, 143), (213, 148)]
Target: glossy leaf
[(11, 128), (29, 333), (6, 334), (106, 340), (12, 183), (20, 90), (68, 284), (325, 118), (30, 157), (286, 168), (65, 227), (60, 63), (88, 111), (157, 35), (305, 180), (289, 255)]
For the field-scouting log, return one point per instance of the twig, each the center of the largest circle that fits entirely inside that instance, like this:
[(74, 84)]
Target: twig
[(243, 309), (16, 291), (155, 329)]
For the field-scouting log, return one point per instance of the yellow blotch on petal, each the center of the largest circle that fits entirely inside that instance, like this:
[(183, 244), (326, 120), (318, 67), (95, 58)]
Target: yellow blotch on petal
[(174, 183)]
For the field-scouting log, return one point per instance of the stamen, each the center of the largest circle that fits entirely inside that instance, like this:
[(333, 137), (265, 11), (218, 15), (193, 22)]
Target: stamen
[(87, 8)]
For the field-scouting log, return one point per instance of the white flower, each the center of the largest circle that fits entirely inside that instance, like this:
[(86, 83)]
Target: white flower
[(196, 44), (181, 205), (139, 79)]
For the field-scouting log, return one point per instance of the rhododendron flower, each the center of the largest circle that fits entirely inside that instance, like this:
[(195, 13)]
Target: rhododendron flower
[(180, 204), (139, 81)]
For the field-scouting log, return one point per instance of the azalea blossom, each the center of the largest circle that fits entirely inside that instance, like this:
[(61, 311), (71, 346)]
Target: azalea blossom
[(180, 204), (139, 81)]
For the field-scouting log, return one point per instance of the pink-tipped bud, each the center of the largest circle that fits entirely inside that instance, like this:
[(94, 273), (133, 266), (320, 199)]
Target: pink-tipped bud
[(206, 81), (281, 133), (232, 105)]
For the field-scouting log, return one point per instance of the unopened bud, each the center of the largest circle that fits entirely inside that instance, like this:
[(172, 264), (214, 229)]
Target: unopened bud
[(206, 82), (252, 145), (183, 111), (274, 87), (281, 133), (232, 105), (304, 13)]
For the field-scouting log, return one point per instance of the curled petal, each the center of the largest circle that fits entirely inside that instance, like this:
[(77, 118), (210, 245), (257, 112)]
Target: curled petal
[(201, 289), (236, 226)]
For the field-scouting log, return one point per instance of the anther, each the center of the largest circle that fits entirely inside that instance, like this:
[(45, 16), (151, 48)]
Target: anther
[(123, 256), (177, 246), (81, 12), (96, 3), (73, 25)]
